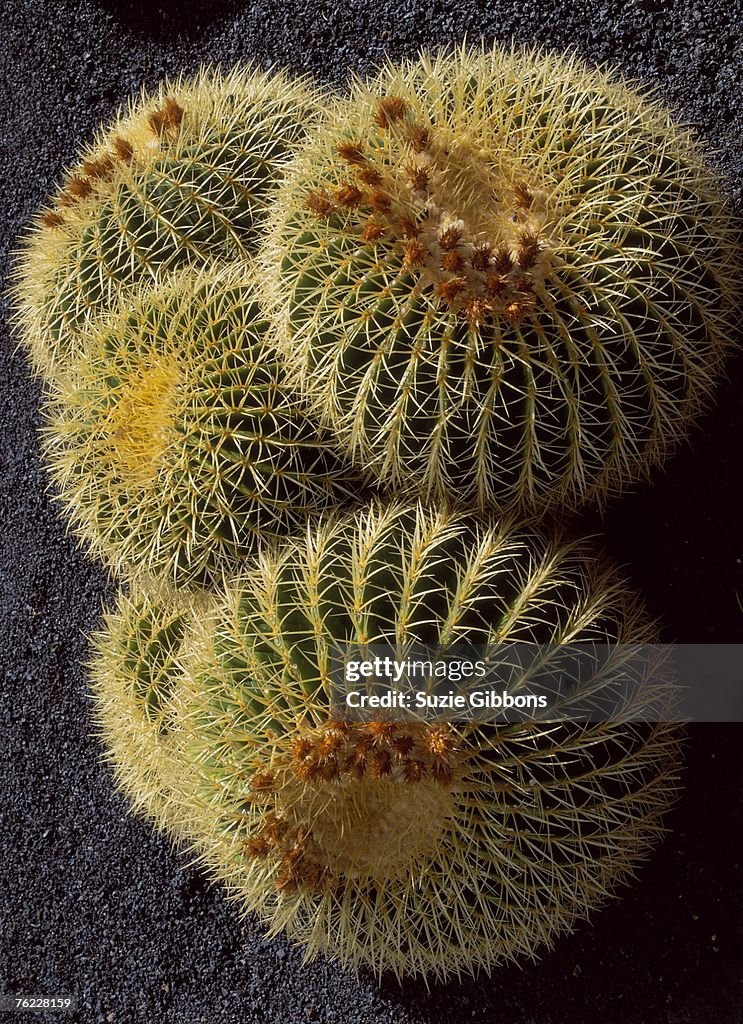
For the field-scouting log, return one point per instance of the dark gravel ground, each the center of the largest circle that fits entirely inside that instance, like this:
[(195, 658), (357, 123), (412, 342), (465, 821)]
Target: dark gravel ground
[(92, 902)]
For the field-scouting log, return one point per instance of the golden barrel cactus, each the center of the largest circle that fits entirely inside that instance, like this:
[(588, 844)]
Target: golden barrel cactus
[(421, 848), (135, 672), (502, 277), (175, 445)]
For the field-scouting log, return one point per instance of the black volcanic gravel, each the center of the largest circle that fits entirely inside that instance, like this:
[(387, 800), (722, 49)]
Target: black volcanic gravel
[(92, 902)]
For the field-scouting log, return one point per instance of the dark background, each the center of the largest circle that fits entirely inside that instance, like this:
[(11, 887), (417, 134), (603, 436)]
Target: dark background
[(91, 901)]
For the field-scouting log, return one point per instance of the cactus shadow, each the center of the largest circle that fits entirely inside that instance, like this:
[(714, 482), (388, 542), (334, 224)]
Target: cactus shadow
[(168, 19)]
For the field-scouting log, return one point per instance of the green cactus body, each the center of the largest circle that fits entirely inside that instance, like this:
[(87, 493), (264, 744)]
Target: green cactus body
[(424, 849), (182, 178), (175, 446), (502, 277), (135, 673)]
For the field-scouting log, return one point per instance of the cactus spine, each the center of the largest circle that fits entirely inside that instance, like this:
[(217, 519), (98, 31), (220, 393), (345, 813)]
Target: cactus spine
[(502, 277), (403, 846), (181, 178)]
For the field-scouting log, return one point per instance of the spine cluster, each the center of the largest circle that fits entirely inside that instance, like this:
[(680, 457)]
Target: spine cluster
[(502, 280), (175, 442), (182, 178), (305, 818)]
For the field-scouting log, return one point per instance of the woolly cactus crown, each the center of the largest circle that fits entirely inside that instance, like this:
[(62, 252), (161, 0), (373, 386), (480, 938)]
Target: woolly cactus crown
[(420, 849), (182, 177), (175, 445), (502, 277)]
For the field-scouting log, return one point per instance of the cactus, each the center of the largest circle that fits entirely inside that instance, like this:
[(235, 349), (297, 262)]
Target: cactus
[(502, 277), (424, 849), (135, 674), (174, 444), (181, 178)]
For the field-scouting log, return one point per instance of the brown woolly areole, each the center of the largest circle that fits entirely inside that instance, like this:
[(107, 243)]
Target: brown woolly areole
[(361, 802), (474, 229), (180, 177), (143, 139)]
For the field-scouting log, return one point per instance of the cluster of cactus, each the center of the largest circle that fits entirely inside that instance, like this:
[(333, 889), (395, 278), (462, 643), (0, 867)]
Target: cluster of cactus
[(479, 287)]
